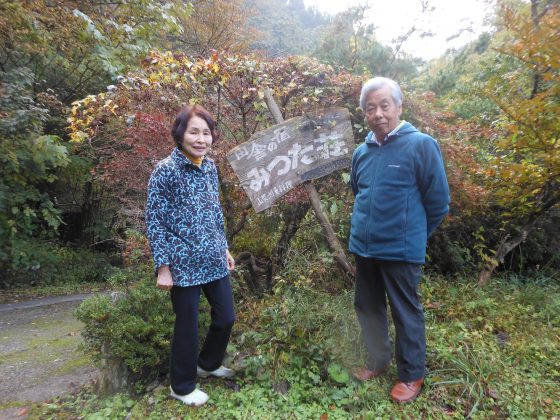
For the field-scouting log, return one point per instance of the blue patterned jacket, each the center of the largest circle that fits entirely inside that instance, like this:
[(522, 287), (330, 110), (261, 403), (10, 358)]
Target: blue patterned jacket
[(185, 222)]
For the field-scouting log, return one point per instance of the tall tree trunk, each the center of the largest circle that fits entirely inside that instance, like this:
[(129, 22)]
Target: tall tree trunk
[(86, 214)]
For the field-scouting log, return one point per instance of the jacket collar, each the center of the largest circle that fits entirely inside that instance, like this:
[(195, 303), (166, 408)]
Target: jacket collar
[(182, 161), (370, 138)]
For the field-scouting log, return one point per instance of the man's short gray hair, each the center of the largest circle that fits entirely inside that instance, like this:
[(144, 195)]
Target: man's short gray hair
[(376, 83)]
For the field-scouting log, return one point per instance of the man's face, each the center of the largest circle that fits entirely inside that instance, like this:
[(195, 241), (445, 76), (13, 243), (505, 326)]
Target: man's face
[(382, 113)]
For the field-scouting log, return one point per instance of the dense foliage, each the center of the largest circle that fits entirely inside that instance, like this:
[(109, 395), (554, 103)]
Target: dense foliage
[(491, 106), (75, 51), (524, 167), (137, 328), (294, 351), (29, 163)]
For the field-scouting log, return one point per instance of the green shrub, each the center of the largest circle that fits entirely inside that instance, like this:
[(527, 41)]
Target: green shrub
[(137, 322), (30, 160), (38, 262), (303, 336), (258, 226)]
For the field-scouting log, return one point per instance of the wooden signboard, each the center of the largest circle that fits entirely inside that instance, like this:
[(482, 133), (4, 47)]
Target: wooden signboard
[(283, 156)]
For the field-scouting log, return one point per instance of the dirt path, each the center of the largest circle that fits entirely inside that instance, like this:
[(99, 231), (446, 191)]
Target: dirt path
[(39, 358)]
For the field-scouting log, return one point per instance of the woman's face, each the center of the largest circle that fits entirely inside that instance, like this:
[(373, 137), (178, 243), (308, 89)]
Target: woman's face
[(197, 138)]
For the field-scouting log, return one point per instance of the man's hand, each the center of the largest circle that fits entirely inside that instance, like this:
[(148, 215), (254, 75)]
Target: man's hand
[(164, 279), (230, 261)]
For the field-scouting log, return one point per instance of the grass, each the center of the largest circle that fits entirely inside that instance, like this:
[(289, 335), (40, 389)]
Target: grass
[(492, 353), (71, 365), (48, 338)]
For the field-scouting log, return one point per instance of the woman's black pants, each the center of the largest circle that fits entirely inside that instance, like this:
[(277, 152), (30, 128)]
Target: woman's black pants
[(184, 348)]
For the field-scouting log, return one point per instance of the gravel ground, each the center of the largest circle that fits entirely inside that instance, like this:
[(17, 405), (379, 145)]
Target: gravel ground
[(39, 356)]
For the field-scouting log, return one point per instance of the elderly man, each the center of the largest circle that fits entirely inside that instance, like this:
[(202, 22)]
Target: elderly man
[(401, 196)]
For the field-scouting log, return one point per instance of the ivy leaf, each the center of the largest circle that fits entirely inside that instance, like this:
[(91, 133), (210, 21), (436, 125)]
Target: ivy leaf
[(338, 374)]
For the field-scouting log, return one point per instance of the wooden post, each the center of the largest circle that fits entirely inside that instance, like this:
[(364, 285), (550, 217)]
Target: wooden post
[(338, 252)]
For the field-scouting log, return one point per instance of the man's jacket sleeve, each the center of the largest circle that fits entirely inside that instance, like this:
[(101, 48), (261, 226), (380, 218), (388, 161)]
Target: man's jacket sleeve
[(353, 174), (433, 184)]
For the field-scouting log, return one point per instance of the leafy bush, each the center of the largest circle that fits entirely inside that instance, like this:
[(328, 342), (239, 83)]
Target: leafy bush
[(447, 256), (259, 226), (29, 162), (303, 337), (137, 323), (38, 262)]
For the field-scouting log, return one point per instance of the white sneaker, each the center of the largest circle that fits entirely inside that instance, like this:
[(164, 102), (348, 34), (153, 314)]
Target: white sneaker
[(195, 398), (221, 372)]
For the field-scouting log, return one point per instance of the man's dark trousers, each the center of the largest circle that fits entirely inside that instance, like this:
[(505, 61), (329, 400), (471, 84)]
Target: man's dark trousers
[(184, 348), (376, 279)]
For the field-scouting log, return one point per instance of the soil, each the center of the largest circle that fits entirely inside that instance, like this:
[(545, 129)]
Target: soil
[(39, 355)]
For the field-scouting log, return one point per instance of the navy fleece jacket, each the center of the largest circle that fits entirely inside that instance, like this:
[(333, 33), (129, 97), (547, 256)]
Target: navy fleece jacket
[(401, 196)]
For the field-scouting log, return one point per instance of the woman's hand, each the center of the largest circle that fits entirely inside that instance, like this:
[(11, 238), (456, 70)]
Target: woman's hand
[(164, 279), (230, 261)]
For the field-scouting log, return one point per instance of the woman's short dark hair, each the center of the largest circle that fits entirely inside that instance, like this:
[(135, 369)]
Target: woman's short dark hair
[(182, 120)]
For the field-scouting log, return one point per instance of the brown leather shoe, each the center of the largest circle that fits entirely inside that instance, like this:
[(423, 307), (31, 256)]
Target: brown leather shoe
[(404, 392), (364, 374)]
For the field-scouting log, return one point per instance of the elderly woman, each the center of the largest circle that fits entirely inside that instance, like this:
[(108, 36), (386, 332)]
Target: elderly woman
[(186, 232)]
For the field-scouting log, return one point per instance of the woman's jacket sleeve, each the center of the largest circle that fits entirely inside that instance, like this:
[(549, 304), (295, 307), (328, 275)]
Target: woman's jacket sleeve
[(157, 210)]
